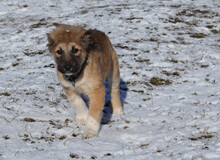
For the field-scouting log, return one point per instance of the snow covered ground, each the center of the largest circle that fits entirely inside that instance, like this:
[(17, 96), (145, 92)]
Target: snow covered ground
[(169, 56)]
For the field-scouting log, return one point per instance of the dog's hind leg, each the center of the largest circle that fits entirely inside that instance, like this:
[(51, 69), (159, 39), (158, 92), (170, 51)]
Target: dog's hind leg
[(79, 105), (114, 82)]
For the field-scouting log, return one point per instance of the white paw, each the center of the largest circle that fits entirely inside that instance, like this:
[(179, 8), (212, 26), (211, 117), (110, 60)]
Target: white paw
[(118, 111), (89, 134), (92, 128)]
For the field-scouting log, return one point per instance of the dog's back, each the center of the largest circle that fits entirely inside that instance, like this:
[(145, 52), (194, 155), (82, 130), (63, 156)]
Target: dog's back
[(104, 49)]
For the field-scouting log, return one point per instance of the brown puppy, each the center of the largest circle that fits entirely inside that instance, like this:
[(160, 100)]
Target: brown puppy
[(85, 58)]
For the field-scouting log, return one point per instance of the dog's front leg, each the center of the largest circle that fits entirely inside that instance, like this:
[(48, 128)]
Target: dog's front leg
[(79, 105), (97, 101)]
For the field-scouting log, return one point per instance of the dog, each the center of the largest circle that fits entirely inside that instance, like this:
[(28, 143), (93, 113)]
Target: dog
[(84, 59)]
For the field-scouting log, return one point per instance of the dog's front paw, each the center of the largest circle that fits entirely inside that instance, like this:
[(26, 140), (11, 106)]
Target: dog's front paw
[(118, 111), (89, 134)]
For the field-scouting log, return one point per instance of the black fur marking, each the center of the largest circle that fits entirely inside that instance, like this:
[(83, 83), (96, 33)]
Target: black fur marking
[(89, 41)]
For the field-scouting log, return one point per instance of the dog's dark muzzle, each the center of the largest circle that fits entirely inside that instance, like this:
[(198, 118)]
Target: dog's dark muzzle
[(72, 71)]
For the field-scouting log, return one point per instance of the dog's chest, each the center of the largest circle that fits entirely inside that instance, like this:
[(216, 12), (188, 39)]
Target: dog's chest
[(80, 86)]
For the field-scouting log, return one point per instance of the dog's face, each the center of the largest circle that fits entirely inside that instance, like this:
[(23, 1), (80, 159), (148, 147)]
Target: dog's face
[(69, 58), (70, 47)]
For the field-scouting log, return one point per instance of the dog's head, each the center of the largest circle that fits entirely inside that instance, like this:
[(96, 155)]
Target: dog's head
[(70, 46)]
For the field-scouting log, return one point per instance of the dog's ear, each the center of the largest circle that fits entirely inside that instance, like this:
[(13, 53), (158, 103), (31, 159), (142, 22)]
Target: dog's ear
[(88, 40), (50, 42)]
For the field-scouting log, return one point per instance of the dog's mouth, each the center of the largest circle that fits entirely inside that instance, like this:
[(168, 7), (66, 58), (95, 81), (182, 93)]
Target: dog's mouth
[(70, 76)]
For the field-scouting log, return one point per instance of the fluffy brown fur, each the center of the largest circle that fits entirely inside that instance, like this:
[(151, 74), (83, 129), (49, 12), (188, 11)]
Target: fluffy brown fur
[(85, 58)]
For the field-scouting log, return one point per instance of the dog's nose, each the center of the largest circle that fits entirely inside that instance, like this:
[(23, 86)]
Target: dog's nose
[(67, 67)]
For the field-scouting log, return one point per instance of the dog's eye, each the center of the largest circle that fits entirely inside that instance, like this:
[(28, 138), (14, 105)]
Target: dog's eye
[(74, 50), (60, 51)]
